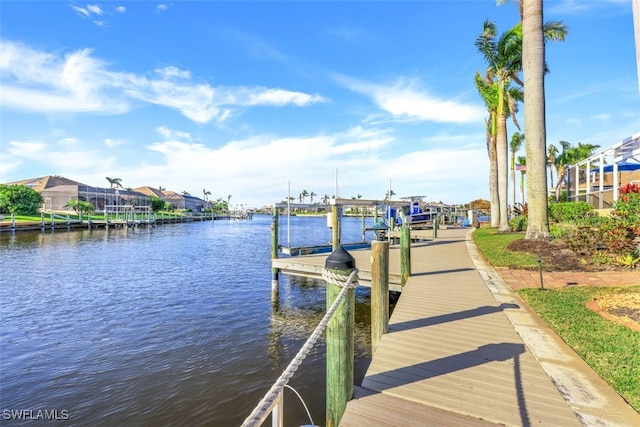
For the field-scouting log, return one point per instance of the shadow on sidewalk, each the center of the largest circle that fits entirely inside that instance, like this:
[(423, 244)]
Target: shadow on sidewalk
[(457, 362), (449, 317)]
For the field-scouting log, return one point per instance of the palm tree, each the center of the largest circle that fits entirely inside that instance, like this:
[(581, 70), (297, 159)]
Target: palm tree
[(161, 188), (533, 41), (488, 93), (552, 152), (389, 194), (325, 199), (311, 195), (533, 36), (205, 193), (304, 195), (516, 142), (503, 57), (522, 161), (571, 155), (114, 182)]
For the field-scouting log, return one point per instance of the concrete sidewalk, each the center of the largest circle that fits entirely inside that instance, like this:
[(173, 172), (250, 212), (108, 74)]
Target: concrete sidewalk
[(588, 395), (463, 346)]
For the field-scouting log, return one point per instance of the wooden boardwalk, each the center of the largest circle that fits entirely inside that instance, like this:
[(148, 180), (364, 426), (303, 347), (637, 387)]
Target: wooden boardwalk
[(459, 351), (451, 356)]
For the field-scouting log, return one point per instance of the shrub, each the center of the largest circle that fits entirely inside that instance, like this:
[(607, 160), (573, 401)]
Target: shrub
[(518, 223), (574, 212), (19, 200)]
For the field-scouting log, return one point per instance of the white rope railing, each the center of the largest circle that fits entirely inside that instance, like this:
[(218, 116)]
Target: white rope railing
[(266, 405)]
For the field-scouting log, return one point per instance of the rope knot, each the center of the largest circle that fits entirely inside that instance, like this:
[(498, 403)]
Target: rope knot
[(340, 280)]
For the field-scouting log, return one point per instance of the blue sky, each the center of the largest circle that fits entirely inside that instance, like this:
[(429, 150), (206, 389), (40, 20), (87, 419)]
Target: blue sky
[(242, 98)]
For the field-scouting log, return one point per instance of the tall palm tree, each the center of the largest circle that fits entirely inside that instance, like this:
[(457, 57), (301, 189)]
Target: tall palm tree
[(552, 152), (325, 199), (517, 139), (304, 195), (503, 57), (311, 196), (534, 35), (488, 93), (533, 59), (205, 193)]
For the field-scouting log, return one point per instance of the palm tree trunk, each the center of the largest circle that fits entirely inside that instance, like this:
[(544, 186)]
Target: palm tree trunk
[(512, 173), (493, 183), (534, 119), (502, 151)]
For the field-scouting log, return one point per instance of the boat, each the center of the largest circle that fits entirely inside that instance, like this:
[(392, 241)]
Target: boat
[(418, 213), (313, 250)]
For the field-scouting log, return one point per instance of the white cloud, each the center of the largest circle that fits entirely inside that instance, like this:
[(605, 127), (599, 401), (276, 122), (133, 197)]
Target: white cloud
[(169, 134), (170, 72), (94, 8), (47, 83), (66, 157), (112, 143), (264, 96), (41, 82), (404, 100), (161, 8), (121, 9), (80, 10)]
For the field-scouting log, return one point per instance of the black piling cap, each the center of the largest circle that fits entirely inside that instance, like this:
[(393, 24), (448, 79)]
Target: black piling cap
[(340, 260)]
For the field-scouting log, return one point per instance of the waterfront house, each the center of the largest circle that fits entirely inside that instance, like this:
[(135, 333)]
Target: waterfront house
[(57, 191)]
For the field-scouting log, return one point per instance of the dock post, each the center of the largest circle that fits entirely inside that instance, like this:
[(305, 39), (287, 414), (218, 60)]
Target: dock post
[(405, 252), (379, 291), (340, 349), (435, 227), (274, 254)]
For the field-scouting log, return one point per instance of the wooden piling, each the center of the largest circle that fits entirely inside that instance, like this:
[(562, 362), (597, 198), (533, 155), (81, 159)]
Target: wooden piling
[(435, 227), (405, 253), (379, 291), (274, 254), (340, 347)]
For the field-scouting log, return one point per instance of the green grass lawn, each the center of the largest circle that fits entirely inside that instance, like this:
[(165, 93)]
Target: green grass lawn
[(612, 350), (493, 246)]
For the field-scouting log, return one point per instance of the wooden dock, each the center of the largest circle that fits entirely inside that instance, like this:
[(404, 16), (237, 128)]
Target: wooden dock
[(451, 356)]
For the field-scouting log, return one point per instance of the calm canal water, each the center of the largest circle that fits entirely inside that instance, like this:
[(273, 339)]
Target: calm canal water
[(169, 325)]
